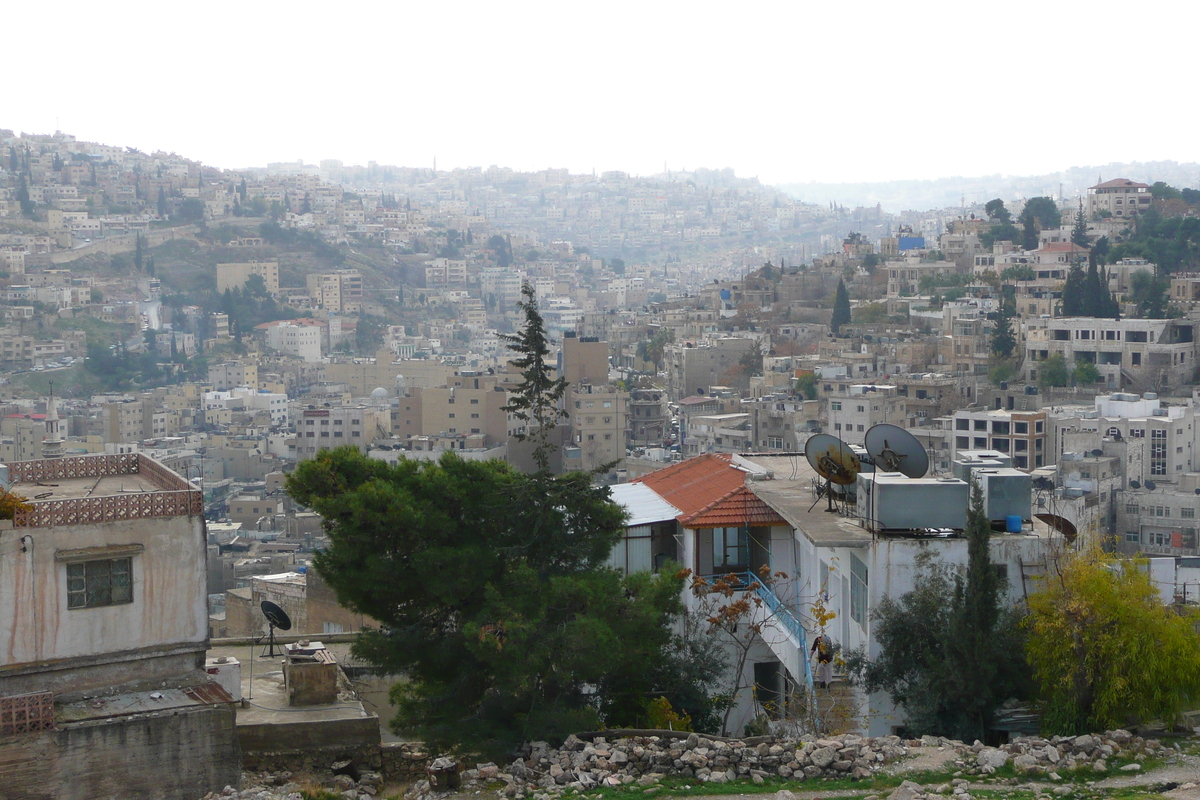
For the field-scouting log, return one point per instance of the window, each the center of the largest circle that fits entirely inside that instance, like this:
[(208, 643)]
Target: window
[(100, 583), (1132, 536), (1131, 508), (836, 406), (858, 590), (731, 547), (1158, 451), (962, 424)]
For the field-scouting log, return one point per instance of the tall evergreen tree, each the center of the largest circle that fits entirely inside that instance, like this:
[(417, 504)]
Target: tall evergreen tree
[(1029, 237), (538, 398), (162, 202), (138, 255), (1079, 234), (1073, 292), (1003, 340), (841, 308)]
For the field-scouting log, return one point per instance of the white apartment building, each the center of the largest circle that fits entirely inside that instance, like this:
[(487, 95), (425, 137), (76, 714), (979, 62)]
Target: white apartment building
[(300, 338)]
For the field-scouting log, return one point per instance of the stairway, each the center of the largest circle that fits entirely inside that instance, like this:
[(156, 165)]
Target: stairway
[(781, 631)]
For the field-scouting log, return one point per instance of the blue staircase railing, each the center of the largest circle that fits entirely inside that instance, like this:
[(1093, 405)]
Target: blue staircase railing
[(782, 614)]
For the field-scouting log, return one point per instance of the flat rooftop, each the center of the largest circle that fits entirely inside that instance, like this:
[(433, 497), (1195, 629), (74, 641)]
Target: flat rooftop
[(790, 493), (71, 488)]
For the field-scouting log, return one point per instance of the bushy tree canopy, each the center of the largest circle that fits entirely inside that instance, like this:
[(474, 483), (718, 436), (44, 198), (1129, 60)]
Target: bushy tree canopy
[(492, 596), (1104, 649)]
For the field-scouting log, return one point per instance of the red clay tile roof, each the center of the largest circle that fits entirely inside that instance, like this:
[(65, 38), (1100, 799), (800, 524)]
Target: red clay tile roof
[(710, 492), (739, 507)]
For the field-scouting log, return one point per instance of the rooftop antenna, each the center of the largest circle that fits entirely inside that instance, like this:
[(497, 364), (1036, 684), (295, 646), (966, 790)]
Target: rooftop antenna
[(894, 449), (276, 618), (834, 461)]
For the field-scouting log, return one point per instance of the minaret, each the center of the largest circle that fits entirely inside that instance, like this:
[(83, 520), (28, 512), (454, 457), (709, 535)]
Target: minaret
[(53, 443)]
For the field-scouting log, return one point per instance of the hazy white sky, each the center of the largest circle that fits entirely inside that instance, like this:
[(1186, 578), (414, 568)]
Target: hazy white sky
[(787, 91)]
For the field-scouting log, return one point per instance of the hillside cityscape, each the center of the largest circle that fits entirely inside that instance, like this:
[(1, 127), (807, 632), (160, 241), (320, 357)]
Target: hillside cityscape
[(331, 480)]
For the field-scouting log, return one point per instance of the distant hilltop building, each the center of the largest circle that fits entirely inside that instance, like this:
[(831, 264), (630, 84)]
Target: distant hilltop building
[(1120, 198)]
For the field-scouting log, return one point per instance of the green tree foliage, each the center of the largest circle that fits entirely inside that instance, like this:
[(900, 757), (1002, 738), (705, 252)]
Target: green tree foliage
[(1004, 341), (1171, 242), (1079, 234), (1105, 651), (536, 400), (1044, 211), (653, 348), (806, 385), (1086, 294), (1020, 272), (501, 248), (191, 210), (493, 602), (1085, 373), (1148, 293), (22, 196), (1002, 372), (997, 212), (162, 203), (1054, 371), (841, 308), (949, 653), (274, 233)]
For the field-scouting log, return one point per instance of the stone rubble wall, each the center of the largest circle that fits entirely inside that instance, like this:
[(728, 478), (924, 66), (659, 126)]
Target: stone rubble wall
[(546, 773)]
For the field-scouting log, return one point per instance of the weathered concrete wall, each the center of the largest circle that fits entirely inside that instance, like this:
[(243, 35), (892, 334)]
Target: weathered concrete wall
[(174, 755), (169, 604), (310, 684), (277, 736)]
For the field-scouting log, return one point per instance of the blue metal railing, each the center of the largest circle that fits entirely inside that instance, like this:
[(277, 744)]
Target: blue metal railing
[(782, 614)]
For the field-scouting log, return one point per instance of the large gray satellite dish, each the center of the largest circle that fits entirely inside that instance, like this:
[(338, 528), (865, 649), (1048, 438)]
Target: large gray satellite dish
[(896, 450)]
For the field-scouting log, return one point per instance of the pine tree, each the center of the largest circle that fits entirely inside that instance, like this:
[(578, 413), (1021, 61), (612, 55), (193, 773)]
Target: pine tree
[(841, 308), (162, 202), (536, 400), (138, 255)]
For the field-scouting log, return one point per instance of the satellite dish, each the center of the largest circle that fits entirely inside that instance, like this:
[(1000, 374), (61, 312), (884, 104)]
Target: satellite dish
[(1150, 485), (1097, 453), (1061, 525), (832, 459), (1135, 485), (896, 450), (276, 618), (1198, 491)]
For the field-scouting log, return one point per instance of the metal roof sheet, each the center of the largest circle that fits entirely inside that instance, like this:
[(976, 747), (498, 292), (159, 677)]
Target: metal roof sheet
[(643, 504)]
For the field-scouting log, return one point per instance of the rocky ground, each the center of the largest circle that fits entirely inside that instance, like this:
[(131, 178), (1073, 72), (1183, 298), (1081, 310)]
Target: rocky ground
[(1026, 768)]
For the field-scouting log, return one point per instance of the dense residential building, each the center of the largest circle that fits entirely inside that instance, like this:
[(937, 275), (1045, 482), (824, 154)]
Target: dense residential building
[(1023, 436), (1143, 354), (104, 641)]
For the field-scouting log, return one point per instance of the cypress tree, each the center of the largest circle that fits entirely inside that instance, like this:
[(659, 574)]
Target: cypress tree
[(536, 399), (1079, 232), (1073, 293), (841, 308)]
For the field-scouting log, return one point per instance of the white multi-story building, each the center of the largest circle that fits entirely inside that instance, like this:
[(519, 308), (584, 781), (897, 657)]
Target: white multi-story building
[(301, 338), (1120, 197)]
